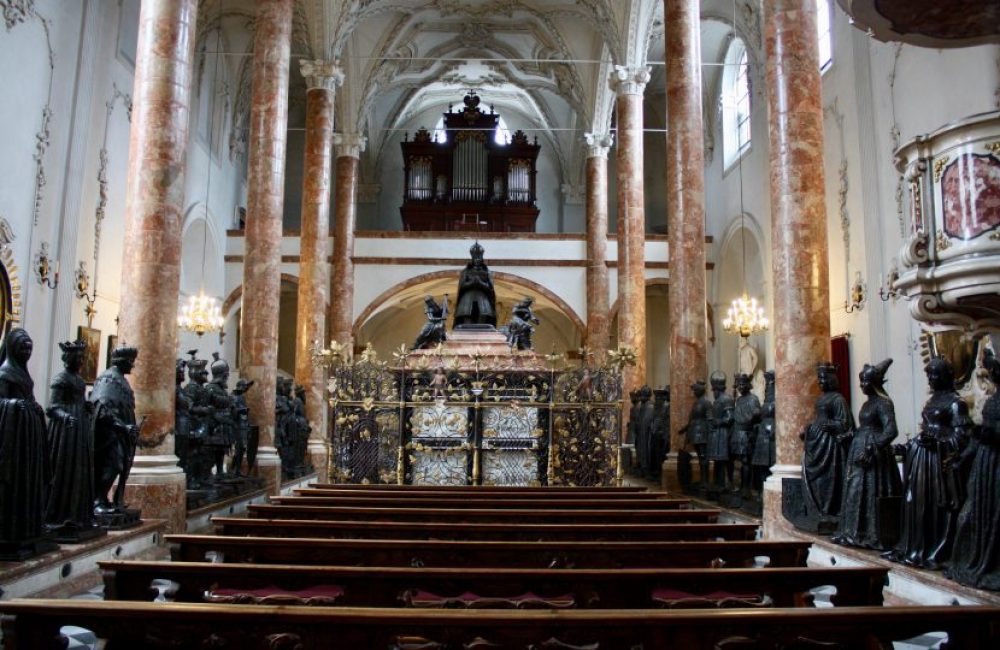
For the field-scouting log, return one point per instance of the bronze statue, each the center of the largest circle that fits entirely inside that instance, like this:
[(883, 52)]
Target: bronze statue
[(644, 428), (24, 459), (476, 297), (182, 417), (522, 325), (933, 488), (284, 426), (825, 455), (433, 331), (242, 414), (658, 440), (718, 437), (976, 558), (221, 437), (746, 415), (871, 475), (764, 451), (697, 428), (198, 466), (69, 514), (302, 430), (116, 435)]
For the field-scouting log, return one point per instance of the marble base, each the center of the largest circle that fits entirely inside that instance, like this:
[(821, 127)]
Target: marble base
[(157, 487), (775, 524), (490, 346), (268, 468), (317, 455), (72, 568)]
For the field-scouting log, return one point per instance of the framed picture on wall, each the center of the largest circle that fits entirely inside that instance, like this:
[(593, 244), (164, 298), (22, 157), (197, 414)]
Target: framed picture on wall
[(112, 344), (92, 338)]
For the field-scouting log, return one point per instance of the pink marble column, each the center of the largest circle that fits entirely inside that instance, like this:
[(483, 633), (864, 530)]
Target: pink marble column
[(154, 212), (322, 79), (265, 202), (798, 232), (349, 148), (688, 335), (629, 84), (598, 318)]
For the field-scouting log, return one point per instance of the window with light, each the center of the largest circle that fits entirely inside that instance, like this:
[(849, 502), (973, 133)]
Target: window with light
[(824, 34), (736, 102)]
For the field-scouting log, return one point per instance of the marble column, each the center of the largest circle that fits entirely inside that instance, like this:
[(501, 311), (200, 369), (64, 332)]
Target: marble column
[(349, 147), (687, 331), (798, 233), (154, 213), (322, 79), (629, 84), (598, 318), (265, 204)]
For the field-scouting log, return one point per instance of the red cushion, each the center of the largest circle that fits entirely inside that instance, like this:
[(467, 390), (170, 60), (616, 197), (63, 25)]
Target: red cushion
[(677, 598), (271, 595), (421, 598)]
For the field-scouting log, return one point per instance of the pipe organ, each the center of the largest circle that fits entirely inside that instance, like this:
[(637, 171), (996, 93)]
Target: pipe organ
[(469, 182)]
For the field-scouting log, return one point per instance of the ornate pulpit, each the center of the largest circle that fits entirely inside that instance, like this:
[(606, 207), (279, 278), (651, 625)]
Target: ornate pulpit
[(469, 181)]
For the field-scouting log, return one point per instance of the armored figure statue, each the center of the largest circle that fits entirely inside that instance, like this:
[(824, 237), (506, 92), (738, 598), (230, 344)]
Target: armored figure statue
[(644, 428), (69, 514), (198, 467), (220, 439), (633, 424), (434, 329), (242, 424), (697, 428), (764, 452), (872, 475), (116, 435), (284, 425), (658, 440), (826, 440), (182, 417), (746, 415), (476, 297), (522, 325), (933, 485), (976, 558), (302, 429), (24, 459), (722, 425)]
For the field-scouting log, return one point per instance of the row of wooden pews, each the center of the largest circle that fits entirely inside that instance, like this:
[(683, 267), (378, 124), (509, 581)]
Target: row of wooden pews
[(422, 568)]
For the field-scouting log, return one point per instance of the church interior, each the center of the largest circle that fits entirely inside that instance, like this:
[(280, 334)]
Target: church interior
[(635, 291)]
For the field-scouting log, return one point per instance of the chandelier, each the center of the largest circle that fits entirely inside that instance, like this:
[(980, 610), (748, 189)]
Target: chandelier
[(201, 314), (745, 317)]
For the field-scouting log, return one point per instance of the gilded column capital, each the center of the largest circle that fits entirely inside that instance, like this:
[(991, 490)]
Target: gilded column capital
[(349, 144), (629, 80), (319, 73), (598, 144)]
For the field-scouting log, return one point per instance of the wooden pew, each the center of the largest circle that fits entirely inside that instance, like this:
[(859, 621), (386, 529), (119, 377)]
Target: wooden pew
[(306, 510), (604, 492), (443, 553), (316, 497), (241, 526), (476, 494), (579, 588), (35, 625)]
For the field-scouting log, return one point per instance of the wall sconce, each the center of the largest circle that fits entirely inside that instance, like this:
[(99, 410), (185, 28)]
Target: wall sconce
[(856, 295), (45, 272), (888, 292)]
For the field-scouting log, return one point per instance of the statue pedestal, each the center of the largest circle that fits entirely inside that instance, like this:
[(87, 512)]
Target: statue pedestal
[(464, 346)]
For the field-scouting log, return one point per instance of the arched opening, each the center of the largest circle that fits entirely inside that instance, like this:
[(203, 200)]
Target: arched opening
[(733, 275)]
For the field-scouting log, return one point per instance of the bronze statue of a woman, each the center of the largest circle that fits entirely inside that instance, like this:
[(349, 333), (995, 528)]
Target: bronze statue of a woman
[(871, 472), (976, 558), (69, 514), (24, 459), (825, 451), (933, 490)]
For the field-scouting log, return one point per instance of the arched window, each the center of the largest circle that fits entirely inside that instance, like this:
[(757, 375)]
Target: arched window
[(502, 135), (824, 34), (735, 102)]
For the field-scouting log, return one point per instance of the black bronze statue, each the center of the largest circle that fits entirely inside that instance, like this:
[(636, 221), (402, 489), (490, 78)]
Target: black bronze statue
[(644, 428), (522, 325), (476, 307), (302, 430), (933, 485), (242, 424), (24, 458), (697, 428), (658, 439), (433, 331), (198, 466), (69, 515), (718, 437), (976, 558), (746, 416), (764, 451), (182, 417), (871, 474), (116, 435), (825, 454), (220, 439)]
